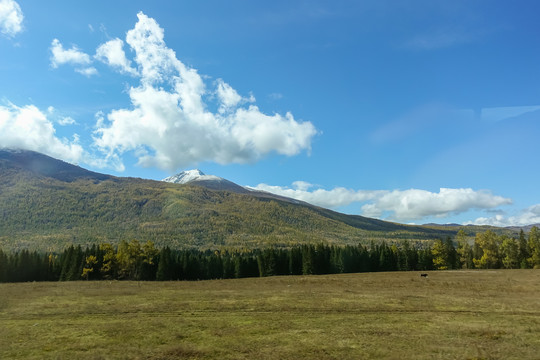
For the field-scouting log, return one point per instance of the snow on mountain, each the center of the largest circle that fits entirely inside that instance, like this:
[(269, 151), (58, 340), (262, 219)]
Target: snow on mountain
[(197, 177), (191, 175)]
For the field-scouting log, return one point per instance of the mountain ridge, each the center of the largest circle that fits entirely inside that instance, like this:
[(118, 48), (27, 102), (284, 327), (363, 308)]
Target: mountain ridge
[(197, 177), (56, 204), (43, 165)]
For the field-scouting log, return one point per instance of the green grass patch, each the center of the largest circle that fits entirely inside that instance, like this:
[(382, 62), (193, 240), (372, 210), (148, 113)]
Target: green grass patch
[(449, 315)]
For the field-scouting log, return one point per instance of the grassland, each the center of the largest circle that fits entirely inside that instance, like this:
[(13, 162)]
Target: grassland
[(449, 315)]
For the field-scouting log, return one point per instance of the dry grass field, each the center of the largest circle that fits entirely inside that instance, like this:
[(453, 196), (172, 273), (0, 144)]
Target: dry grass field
[(448, 315)]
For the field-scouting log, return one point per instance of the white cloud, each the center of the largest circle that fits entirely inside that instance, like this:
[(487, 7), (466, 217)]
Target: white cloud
[(396, 205), (73, 56), (417, 204), (66, 121), (29, 128), (112, 53), (11, 18), (170, 125), (530, 215), (228, 97), (89, 71), (332, 199)]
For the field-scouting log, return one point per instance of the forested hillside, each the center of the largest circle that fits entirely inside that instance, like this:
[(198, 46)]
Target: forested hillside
[(46, 204)]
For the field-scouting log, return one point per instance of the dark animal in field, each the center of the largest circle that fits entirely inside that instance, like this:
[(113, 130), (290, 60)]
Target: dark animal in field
[(423, 275)]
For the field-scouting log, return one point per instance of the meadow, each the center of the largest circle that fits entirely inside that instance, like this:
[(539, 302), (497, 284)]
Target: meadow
[(477, 314)]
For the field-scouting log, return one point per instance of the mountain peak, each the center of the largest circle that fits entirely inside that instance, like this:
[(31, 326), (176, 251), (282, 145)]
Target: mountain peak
[(187, 176), (197, 177)]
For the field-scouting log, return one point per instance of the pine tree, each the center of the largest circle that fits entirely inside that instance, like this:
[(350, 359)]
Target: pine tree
[(534, 248), (164, 270), (308, 260), (523, 251), (425, 259), (295, 261), (464, 251), (453, 259), (65, 260), (3, 267)]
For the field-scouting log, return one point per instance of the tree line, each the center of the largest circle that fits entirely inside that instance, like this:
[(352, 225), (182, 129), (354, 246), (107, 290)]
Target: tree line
[(143, 261)]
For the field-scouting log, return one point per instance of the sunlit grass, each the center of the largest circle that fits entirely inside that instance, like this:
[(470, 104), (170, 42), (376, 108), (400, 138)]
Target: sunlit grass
[(449, 315)]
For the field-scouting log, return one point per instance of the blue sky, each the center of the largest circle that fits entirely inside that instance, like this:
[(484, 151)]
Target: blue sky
[(410, 111)]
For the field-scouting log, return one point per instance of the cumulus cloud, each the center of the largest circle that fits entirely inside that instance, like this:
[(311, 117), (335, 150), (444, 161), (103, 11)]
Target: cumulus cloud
[(62, 56), (332, 199), (72, 56), (112, 53), (417, 204), (228, 97), (29, 128), (170, 124), (11, 18), (530, 215), (398, 205)]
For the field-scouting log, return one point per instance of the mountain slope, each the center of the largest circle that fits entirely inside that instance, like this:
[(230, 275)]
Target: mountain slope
[(42, 165), (45, 209)]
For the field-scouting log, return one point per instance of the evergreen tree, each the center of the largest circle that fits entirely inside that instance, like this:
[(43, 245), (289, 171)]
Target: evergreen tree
[(228, 267), (534, 248), (386, 258), (308, 260), (374, 257), (295, 261), (401, 258), (464, 251), (65, 260), (240, 267), (3, 267), (76, 266), (523, 251), (215, 266), (425, 259), (453, 259), (509, 253), (165, 266), (336, 260), (411, 256)]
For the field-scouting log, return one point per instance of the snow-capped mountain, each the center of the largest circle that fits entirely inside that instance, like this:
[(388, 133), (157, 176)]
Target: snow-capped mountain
[(191, 175), (197, 177)]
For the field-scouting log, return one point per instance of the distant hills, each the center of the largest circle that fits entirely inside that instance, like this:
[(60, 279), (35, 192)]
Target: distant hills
[(47, 204)]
